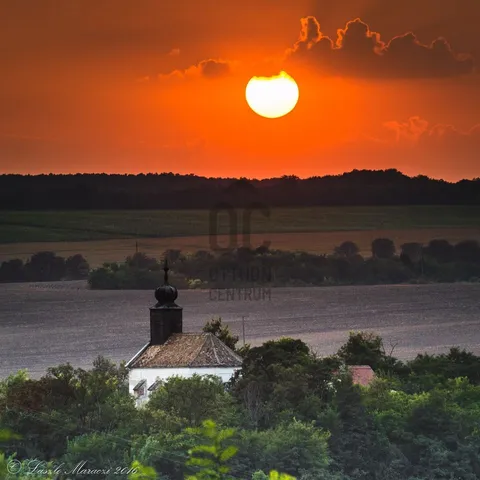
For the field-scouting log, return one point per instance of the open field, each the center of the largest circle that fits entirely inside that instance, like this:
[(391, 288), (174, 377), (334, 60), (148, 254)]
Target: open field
[(58, 226), (99, 251), (42, 325)]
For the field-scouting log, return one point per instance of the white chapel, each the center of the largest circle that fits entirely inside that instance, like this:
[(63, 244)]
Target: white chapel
[(170, 352)]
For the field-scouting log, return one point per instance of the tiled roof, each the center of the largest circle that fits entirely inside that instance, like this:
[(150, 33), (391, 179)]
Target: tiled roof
[(187, 350), (362, 374)]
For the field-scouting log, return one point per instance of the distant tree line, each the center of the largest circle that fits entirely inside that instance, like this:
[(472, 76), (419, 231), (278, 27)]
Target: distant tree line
[(44, 267), (286, 409), (438, 261), (173, 191)]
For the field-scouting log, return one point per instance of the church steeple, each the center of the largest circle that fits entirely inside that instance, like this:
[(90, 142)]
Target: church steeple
[(166, 294), (166, 315)]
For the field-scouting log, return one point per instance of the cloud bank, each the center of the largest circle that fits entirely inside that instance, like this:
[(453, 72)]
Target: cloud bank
[(359, 51)]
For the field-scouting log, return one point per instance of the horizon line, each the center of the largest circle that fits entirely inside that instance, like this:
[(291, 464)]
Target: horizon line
[(252, 179)]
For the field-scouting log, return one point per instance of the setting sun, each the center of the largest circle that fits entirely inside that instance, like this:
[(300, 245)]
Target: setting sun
[(272, 97)]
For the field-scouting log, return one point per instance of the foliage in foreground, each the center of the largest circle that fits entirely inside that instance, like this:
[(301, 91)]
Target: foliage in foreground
[(287, 411)]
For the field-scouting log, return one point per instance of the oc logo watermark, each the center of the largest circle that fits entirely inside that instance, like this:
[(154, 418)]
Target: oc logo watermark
[(233, 217)]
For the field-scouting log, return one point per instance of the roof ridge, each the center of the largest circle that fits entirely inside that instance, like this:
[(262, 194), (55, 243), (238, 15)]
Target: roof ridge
[(227, 348), (192, 362), (214, 349)]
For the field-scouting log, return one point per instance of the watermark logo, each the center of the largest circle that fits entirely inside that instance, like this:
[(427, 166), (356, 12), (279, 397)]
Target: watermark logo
[(238, 272), (36, 468), (240, 189), (233, 217), (249, 294), (244, 282), (242, 273), (14, 466)]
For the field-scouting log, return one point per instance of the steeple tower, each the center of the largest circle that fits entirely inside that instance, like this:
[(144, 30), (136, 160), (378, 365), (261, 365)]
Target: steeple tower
[(166, 317)]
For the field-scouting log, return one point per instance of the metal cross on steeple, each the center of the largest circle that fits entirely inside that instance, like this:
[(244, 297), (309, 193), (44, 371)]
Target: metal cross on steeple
[(165, 269)]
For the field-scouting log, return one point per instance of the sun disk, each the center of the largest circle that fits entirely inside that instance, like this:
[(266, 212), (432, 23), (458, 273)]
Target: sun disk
[(272, 97)]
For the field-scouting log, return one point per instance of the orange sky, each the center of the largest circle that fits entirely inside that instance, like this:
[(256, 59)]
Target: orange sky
[(149, 86)]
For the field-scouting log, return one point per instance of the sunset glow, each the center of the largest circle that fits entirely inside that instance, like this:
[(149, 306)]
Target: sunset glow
[(272, 97), (156, 86)]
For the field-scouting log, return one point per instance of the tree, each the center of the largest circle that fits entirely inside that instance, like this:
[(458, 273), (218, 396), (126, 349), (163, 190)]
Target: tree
[(45, 266), (282, 379), (359, 449), (440, 250), (173, 256), (366, 348), (194, 399), (347, 249), (12, 271), (103, 278), (77, 267), (262, 250), (66, 402), (209, 456), (455, 364), (97, 451), (467, 251), (362, 348), (25, 408), (142, 261), (221, 331), (383, 248), (413, 251), (292, 447)]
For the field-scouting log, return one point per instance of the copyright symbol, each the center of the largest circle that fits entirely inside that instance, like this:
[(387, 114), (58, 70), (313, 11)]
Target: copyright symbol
[(14, 466)]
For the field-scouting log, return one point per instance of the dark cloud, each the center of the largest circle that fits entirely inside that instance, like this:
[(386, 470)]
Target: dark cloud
[(206, 68), (214, 68), (359, 51)]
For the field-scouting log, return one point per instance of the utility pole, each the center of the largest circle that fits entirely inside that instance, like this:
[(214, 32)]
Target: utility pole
[(243, 328)]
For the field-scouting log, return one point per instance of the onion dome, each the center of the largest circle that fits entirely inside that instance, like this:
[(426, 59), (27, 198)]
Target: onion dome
[(166, 294)]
